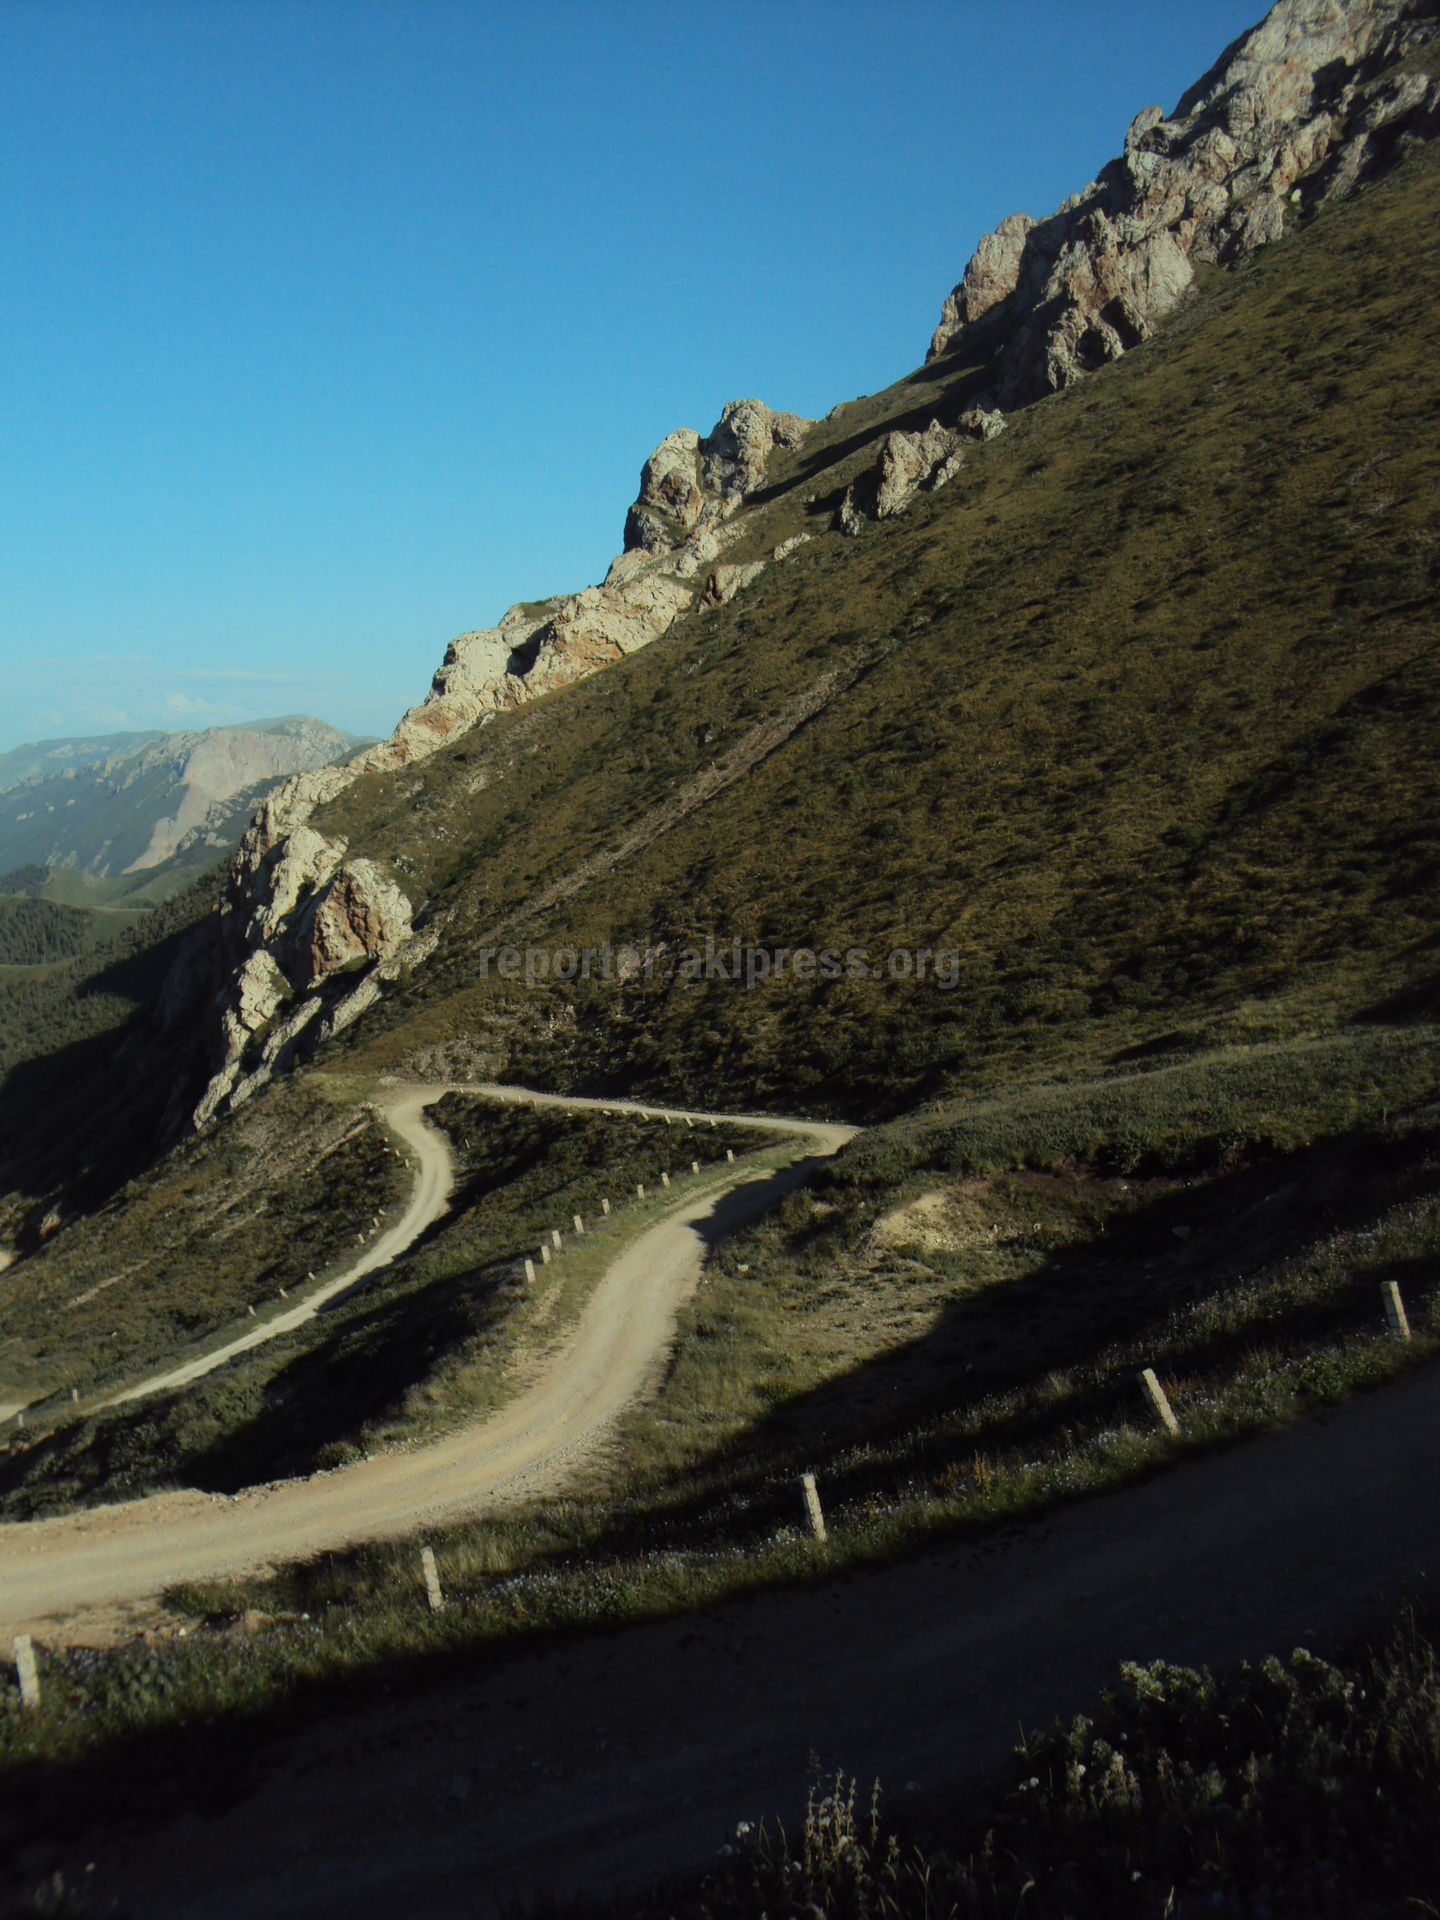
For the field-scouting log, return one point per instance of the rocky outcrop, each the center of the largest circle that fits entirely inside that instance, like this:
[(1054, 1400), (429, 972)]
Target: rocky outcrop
[(733, 458), (1293, 113), (309, 936), (981, 422), (670, 498), (991, 275), (725, 582), (907, 462), (361, 915), (689, 484)]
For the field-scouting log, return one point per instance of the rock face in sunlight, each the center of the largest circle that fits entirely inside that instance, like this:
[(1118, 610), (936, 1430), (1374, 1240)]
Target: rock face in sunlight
[(308, 935), (908, 462), (1294, 113)]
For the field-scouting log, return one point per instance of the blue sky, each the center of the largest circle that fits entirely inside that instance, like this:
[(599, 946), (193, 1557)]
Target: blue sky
[(329, 331)]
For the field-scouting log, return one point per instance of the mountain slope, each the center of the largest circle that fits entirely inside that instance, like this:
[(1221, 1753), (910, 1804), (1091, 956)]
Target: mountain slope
[(1043, 533), (111, 809), (1136, 717)]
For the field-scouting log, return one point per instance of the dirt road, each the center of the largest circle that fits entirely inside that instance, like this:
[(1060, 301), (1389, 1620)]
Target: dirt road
[(108, 1558), (583, 1765), (405, 1114)]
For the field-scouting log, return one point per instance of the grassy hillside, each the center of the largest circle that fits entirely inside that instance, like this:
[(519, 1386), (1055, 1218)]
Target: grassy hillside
[(1136, 717)]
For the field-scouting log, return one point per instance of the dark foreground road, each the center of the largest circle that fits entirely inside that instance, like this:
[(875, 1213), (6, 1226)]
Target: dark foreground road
[(586, 1767)]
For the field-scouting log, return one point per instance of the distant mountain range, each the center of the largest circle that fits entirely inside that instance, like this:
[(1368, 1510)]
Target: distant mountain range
[(126, 809)]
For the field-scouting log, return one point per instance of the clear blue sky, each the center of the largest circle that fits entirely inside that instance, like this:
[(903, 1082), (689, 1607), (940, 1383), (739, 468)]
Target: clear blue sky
[(330, 330)]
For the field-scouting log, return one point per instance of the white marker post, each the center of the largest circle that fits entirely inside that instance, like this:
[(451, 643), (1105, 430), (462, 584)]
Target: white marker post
[(664, 1179), (640, 1190), (579, 1224), (26, 1671), (555, 1238), (694, 1166), (544, 1256), (605, 1208), (812, 1507), (432, 1580), (730, 1155), (529, 1273), (1158, 1400), (1395, 1314)]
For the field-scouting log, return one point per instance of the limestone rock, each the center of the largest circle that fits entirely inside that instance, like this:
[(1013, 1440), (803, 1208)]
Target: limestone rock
[(981, 422), (907, 462), (300, 862), (733, 455), (1306, 97), (792, 545), (261, 990), (725, 582), (670, 499), (480, 663), (991, 276), (361, 915)]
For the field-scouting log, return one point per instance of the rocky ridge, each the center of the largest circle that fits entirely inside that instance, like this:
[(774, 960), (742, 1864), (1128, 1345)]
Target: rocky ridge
[(1293, 114), (1301, 109), (308, 935)]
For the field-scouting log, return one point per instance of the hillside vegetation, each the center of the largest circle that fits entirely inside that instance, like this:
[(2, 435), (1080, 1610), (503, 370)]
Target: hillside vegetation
[(1136, 718)]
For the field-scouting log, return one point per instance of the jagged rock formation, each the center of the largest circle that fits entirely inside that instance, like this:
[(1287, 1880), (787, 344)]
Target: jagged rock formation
[(1292, 114), (910, 463), (907, 462), (307, 935)]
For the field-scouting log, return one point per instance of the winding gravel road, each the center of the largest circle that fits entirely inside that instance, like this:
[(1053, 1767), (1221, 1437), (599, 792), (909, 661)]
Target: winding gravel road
[(405, 1114), (96, 1563)]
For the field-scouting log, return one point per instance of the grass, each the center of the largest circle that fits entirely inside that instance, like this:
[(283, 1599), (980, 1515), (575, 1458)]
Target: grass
[(1297, 1785), (1135, 717)]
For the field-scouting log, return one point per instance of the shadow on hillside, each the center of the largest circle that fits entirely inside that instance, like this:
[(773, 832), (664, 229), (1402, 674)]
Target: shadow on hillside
[(1121, 1286), (362, 1372), (82, 1120), (965, 386)]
